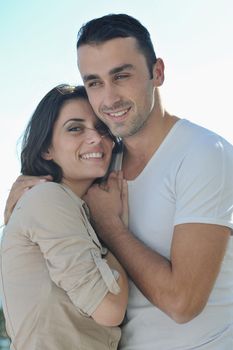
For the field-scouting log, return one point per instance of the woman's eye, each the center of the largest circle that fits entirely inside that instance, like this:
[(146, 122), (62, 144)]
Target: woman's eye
[(103, 131), (75, 129)]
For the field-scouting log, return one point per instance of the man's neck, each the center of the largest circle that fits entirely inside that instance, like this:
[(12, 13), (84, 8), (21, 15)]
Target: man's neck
[(139, 148)]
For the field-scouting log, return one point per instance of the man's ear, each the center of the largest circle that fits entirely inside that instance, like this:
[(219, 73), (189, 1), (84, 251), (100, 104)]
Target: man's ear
[(47, 155), (158, 72)]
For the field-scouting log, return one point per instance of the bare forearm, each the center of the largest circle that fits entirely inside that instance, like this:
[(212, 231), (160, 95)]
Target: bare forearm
[(181, 286), (151, 272)]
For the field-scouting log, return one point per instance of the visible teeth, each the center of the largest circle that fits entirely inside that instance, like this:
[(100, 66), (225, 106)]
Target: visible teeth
[(118, 114), (92, 155)]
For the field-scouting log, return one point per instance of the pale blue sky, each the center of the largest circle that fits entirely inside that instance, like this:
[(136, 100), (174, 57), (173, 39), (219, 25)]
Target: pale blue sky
[(37, 38)]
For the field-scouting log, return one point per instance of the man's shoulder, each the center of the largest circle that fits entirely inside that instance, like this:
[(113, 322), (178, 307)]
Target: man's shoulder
[(201, 137)]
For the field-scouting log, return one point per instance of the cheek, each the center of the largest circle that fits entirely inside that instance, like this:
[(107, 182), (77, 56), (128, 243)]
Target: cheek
[(96, 99), (147, 97), (63, 152), (109, 147), (93, 98)]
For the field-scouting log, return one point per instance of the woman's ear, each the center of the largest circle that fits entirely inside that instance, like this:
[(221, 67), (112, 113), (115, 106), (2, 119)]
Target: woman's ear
[(47, 155)]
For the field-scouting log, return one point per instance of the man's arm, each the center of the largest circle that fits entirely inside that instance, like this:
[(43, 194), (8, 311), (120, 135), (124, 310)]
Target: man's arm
[(181, 286), (21, 184)]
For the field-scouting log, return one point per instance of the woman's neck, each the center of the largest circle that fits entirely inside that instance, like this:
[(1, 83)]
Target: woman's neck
[(79, 187)]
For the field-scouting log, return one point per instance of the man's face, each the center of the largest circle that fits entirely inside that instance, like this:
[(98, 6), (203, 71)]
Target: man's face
[(117, 80)]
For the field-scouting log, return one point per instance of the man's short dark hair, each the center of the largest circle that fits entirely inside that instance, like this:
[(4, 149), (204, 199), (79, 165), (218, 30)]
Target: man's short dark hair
[(114, 26)]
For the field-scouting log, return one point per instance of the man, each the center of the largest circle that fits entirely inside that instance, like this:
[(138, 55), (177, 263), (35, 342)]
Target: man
[(178, 248)]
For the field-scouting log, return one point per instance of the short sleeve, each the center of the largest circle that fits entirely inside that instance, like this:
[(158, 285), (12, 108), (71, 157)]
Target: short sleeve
[(57, 224), (204, 184)]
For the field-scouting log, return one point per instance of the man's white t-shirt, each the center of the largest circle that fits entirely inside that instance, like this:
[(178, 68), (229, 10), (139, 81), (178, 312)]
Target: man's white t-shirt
[(189, 179)]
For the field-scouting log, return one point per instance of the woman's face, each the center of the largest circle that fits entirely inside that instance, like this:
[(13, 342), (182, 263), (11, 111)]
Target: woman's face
[(80, 145)]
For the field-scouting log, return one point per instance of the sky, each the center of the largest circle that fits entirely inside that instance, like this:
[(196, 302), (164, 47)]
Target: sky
[(38, 39)]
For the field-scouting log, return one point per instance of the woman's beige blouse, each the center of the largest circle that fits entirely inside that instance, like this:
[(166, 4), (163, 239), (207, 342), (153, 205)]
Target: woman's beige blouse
[(54, 274)]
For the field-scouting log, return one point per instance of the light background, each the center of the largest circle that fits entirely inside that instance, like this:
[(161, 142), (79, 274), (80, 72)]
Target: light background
[(37, 52)]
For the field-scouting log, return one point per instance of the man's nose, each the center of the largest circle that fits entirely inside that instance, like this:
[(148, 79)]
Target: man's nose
[(111, 95)]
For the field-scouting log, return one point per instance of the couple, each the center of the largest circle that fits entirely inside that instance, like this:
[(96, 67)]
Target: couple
[(177, 250)]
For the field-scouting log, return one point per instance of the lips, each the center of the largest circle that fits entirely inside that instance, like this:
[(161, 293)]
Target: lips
[(117, 115)]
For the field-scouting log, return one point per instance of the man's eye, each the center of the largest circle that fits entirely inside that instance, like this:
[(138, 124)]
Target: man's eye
[(93, 84), (121, 76)]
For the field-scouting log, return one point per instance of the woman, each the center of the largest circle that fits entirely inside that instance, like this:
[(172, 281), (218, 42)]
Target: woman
[(60, 288)]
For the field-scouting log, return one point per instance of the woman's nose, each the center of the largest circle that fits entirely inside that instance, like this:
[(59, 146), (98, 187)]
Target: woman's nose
[(93, 135)]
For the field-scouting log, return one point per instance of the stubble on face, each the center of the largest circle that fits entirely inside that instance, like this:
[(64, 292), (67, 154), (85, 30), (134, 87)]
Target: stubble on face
[(121, 129), (134, 93), (136, 121)]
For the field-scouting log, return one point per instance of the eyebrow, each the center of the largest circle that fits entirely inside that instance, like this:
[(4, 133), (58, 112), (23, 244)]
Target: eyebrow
[(74, 120), (115, 70)]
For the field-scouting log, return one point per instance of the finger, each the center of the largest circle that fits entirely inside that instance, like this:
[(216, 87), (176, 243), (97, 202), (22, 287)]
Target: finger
[(112, 175), (23, 178), (125, 203), (103, 186), (120, 179), (22, 183), (113, 182), (124, 192), (120, 174), (47, 177), (11, 202)]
